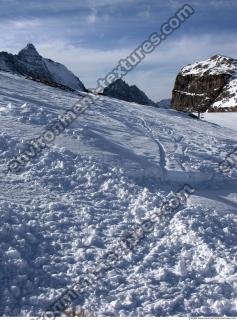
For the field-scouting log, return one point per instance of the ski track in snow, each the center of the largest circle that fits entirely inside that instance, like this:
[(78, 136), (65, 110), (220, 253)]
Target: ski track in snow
[(160, 147), (102, 177)]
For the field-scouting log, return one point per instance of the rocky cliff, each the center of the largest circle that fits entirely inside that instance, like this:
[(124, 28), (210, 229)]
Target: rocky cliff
[(29, 62), (207, 85), (121, 90)]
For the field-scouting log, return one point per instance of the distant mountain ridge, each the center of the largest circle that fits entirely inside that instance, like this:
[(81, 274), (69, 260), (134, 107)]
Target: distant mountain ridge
[(29, 62), (123, 91), (164, 103)]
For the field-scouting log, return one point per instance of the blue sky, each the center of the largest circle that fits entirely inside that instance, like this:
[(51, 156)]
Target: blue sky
[(90, 36)]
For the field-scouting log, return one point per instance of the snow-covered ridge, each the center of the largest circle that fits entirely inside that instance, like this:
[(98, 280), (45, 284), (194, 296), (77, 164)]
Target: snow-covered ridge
[(215, 65), (62, 75), (30, 63)]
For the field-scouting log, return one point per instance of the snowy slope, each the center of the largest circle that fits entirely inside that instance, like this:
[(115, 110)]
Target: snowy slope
[(223, 119), (60, 74), (109, 171)]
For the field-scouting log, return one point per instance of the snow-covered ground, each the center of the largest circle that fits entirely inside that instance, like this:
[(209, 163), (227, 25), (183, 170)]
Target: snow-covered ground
[(109, 171), (224, 119)]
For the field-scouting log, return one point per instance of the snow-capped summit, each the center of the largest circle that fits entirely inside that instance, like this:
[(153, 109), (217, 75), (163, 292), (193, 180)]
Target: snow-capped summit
[(217, 64), (207, 85), (29, 62)]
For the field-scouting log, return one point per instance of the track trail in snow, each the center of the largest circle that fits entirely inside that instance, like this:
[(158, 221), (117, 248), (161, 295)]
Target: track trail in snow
[(78, 197), (161, 148)]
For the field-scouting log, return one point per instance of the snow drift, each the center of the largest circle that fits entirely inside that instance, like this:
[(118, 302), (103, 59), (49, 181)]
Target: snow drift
[(106, 173)]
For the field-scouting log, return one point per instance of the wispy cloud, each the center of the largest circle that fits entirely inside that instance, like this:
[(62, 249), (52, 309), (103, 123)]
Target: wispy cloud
[(25, 23), (156, 74)]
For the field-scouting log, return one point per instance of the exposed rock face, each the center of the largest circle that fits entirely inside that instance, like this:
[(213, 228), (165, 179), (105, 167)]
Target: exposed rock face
[(121, 90), (207, 85), (29, 62)]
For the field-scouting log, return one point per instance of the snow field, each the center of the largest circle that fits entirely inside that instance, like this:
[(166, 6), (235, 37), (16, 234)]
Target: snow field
[(108, 172)]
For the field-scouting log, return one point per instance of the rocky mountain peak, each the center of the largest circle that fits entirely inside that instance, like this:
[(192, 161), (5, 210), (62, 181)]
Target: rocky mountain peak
[(29, 50), (29, 62), (30, 46), (123, 91), (207, 85)]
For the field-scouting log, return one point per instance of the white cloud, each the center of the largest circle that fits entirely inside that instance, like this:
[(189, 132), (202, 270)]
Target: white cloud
[(92, 18), (25, 23)]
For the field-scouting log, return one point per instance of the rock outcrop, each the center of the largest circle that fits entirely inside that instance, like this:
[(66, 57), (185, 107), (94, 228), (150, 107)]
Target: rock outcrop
[(30, 63), (121, 90), (207, 85)]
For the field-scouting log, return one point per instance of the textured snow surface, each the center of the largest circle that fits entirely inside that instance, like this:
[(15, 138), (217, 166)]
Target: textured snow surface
[(224, 119), (110, 170)]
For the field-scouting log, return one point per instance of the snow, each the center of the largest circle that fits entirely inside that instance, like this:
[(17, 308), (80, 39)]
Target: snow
[(62, 75), (215, 65), (224, 119), (108, 172), (189, 93), (228, 98)]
